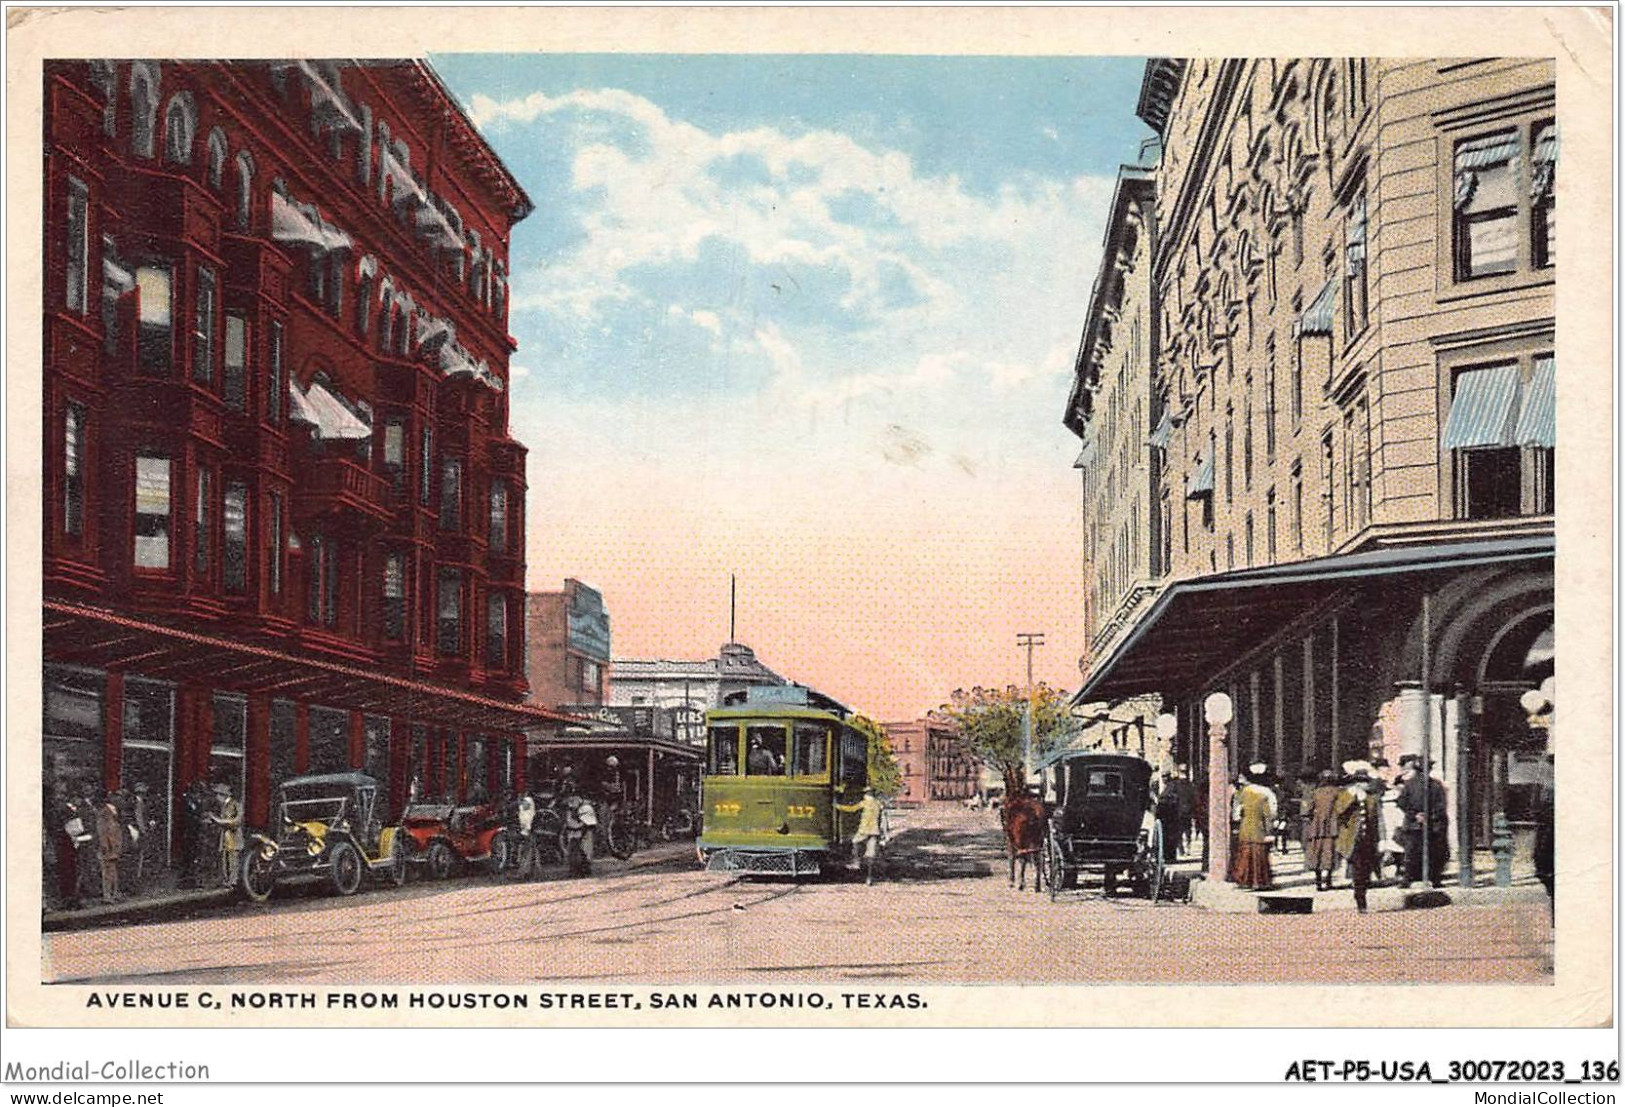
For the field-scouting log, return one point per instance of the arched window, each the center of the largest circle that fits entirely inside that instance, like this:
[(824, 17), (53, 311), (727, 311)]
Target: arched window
[(144, 108), (217, 159), (180, 129), (245, 189)]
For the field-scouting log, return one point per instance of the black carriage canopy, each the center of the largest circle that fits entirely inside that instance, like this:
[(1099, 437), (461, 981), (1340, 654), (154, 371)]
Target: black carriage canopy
[(1104, 795)]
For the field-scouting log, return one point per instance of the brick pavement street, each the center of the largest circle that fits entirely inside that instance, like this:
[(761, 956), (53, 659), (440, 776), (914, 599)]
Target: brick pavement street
[(943, 914)]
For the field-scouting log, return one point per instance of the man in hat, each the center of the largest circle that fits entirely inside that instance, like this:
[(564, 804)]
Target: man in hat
[(866, 838), (109, 845), (228, 817), (1254, 832), (1357, 810), (1423, 802)]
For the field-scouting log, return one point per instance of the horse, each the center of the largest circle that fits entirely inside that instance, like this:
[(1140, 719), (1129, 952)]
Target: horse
[(1025, 819)]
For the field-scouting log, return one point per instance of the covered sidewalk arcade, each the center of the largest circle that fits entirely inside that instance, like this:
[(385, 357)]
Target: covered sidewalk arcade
[(135, 698), (1423, 642)]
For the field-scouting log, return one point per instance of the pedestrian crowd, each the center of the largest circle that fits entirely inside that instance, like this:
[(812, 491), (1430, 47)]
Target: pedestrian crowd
[(108, 844)]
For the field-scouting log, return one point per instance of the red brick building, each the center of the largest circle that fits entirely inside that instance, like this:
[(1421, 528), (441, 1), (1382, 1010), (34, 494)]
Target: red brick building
[(567, 645), (282, 510), (933, 761)]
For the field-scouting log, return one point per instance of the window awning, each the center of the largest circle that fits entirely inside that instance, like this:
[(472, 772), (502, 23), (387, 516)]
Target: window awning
[(1537, 421), (1200, 483), (433, 226), (1197, 628), (1317, 318), (1481, 411), (405, 192), (321, 409), (430, 331), (1163, 433), (303, 224), (1490, 150), (116, 280), (455, 362), (327, 103)]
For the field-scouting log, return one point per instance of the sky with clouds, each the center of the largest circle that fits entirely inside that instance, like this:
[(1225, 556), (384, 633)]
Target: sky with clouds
[(810, 320)]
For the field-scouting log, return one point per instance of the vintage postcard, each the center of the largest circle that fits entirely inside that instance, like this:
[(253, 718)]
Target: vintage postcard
[(775, 517)]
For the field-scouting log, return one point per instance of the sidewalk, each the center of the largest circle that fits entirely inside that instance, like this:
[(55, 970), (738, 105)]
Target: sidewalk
[(1294, 882), (152, 902)]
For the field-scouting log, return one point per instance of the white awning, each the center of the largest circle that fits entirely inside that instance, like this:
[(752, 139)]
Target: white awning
[(1201, 481), (435, 228), (455, 362), (321, 409), (303, 224), (116, 280), (404, 189), (328, 105), (430, 331)]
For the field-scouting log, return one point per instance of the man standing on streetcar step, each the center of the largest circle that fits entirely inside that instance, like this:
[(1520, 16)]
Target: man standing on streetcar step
[(866, 839)]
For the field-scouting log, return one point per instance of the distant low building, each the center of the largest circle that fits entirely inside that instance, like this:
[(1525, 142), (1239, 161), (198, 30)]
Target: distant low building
[(934, 762), (689, 688), (567, 645)]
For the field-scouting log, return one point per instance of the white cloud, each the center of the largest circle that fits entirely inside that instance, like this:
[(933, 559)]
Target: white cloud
[(930, 294)]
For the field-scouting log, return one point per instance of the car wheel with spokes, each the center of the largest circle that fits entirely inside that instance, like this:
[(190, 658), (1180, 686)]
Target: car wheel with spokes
[(440, 860), (346, 869), (259, 876), (501, 853)]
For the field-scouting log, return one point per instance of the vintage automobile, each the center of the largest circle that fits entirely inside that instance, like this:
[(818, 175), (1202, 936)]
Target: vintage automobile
[(1103, 820), (326, 828), (442, 835)]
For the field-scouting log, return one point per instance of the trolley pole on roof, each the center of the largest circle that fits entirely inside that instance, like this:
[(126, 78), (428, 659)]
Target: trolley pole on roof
[(1029, 641)]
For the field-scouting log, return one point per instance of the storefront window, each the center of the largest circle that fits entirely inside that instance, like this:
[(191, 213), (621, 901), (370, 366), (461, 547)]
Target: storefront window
[(377, 751), (284, 740), (227, 763), (474, 771), (147, 765), (329, 740)]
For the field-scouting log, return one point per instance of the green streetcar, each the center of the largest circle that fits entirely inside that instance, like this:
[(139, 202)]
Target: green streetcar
[(779, 761)]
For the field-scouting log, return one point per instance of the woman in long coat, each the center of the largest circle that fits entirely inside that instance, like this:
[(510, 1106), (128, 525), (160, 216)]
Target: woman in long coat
[(1320, 836)]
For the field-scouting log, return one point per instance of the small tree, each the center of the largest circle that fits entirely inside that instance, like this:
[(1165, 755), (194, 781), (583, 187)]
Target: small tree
[(884, 775), (990, 724)]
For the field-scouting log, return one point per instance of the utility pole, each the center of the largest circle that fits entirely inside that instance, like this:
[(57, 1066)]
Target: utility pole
[(1029, 641), (733, 603)]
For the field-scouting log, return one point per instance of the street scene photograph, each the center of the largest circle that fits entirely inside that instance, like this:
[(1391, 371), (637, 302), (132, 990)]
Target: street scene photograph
[(608, 519)]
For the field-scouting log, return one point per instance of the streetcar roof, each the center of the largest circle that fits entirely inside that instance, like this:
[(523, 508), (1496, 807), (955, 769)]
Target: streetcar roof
[(771, 711)]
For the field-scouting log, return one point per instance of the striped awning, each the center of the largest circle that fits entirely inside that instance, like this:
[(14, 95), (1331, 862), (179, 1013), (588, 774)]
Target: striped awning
[(1200, 483), (328, 105), (1537, 420), (1318, 316), (1482, 409), (1489, 150), (1163, 432)]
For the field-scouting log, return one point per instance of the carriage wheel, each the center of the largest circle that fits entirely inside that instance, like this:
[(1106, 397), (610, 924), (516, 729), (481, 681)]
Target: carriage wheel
[(1155, 873)]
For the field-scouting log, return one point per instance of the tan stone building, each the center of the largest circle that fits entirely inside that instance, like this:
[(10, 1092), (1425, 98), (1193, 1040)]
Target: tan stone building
[(1353, 280)]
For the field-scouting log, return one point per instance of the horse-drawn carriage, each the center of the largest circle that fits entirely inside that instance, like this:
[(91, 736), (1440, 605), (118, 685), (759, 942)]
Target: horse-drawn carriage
[(1102, 820)]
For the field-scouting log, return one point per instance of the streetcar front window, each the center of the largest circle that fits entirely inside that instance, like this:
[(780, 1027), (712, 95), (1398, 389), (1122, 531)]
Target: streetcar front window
[(765, 750), (812, 750), (724, 751)]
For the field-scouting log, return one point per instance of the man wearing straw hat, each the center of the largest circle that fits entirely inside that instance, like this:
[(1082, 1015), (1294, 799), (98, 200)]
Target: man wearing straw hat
[(1358, 809)]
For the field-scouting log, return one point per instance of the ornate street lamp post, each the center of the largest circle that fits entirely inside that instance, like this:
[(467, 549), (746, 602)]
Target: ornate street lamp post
[(1218, 710)]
